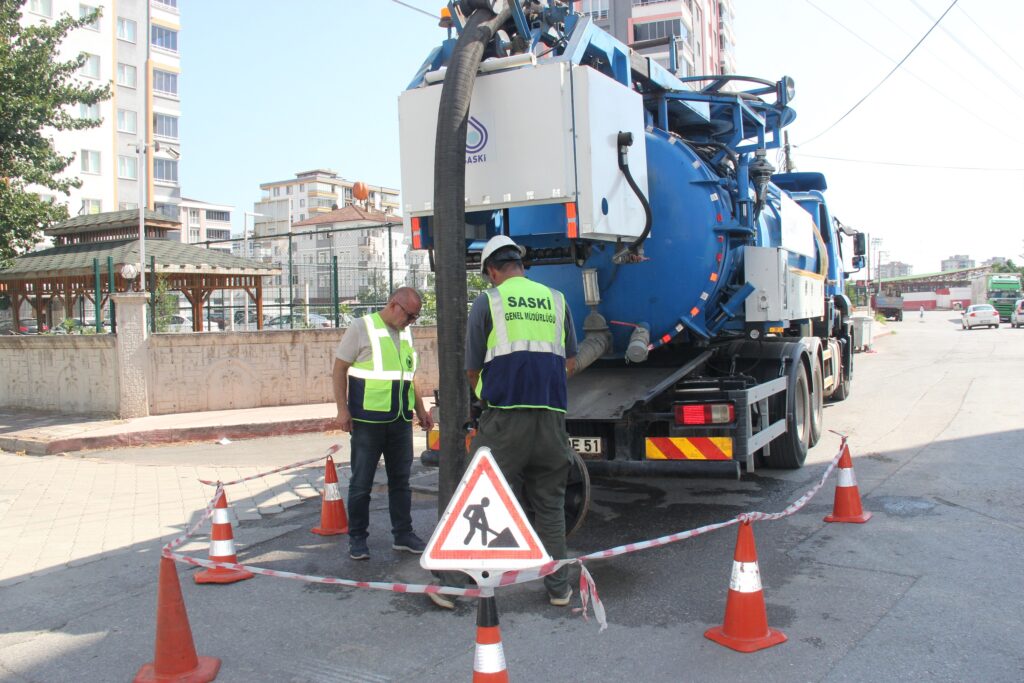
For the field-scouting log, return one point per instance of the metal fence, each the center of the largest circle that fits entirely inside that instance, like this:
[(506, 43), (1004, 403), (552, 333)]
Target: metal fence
[(329, 276)]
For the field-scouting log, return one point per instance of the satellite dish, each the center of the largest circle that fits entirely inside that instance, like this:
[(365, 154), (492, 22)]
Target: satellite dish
[(129, 271)]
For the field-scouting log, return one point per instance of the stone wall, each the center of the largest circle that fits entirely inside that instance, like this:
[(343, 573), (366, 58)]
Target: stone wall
[(59, 373), (227, 370)]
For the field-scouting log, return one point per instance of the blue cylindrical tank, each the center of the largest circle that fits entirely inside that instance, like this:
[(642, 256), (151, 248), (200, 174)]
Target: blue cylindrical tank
[(690, 256)]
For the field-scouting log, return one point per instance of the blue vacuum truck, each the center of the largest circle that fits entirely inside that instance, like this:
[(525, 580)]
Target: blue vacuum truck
[(707, 289)]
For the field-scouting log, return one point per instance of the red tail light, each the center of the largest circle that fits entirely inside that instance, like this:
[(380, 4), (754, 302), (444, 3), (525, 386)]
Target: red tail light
[(705, 413)]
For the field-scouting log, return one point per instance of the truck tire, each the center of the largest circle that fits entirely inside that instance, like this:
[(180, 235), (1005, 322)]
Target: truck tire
[(817, 403), (842, 391), (577, 497), (790, 450)]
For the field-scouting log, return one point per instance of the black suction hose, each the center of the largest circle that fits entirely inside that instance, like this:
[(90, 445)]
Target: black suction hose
[(625, 141), (450, 243)]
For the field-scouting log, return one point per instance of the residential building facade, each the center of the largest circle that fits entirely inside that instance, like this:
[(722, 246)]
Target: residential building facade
[(310, 194), (957, 262), (895, 269), (203, 221), (133, 46), (703, 31)]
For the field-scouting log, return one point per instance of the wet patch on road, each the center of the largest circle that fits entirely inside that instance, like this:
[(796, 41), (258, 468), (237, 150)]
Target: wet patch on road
[(902, 506)]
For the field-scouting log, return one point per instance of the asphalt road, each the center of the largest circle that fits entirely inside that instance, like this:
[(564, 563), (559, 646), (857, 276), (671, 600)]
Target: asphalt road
[(928, 590)]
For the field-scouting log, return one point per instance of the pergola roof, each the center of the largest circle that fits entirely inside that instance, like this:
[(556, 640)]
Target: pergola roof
[(171, 257), (102, 222)]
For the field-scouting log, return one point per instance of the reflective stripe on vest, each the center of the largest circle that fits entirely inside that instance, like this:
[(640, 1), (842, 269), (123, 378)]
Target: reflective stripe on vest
[(524, 365), (381, 388)]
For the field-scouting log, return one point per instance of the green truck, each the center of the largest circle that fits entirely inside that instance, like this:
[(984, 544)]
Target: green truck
[(998, 289)]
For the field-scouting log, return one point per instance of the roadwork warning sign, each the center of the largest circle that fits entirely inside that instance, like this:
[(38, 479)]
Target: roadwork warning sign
[(484, 527)]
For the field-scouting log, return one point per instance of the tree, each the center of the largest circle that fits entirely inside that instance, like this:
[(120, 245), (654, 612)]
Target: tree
[(166, 304), (39, 93)]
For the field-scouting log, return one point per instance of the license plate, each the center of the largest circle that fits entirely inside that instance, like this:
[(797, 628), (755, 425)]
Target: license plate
[(587, 445)]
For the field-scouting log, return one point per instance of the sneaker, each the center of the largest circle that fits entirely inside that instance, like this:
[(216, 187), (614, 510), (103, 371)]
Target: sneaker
[(561, 601), (358, 550), (409, 542), (442, 601)]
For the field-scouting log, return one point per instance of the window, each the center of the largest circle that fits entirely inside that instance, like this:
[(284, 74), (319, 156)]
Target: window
[(86, 10), (166, 38), (166, 126), (90, 161), (91, 67), (167, 3), (302, 217), (193, 217), (127, 29), (165, 170), (302, 187), (323, 256), (596, 9), (165, 82), (89, 111), (277, 191), (91, 206), (193, 235), (43, 7), (288, 190), (127, 206), (218, 216), (302, 202), (659, 29), (127, 75), (127, 168), (169, 210), (127, 121)]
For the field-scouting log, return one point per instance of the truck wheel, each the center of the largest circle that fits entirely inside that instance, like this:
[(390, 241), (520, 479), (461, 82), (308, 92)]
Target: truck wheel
[(842, 391), (793, 444), (817, 403)]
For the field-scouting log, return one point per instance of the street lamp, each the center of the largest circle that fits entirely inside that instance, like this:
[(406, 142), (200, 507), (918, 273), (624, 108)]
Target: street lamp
[(141, 150), (245, 253)]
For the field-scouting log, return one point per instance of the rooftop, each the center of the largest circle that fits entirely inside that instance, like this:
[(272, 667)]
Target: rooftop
[(350, 214)]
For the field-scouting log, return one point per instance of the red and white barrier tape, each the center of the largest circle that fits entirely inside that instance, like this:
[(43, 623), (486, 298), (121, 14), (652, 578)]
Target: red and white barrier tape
[(330, 451), (588, 588)]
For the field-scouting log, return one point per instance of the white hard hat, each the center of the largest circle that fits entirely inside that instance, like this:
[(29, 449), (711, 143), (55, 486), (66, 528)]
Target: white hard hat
[(497, 243)]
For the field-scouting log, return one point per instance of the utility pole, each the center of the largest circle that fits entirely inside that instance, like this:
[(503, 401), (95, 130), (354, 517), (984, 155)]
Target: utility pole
[(787, 159)]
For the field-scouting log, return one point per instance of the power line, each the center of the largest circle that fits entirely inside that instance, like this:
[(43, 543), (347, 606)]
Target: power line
[(977, 116), (991, 39), (971, 52), (414, 8), (894, 69), (913, 165)]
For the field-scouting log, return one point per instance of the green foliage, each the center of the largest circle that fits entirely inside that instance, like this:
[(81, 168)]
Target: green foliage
[(166, 304), (39, 92), (475, 285)]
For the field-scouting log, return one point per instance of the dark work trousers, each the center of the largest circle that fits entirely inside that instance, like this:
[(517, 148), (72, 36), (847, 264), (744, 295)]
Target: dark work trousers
[(532, 449), (393, 440)]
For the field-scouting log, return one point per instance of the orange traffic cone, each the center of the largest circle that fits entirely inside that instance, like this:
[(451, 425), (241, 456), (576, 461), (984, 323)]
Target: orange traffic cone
[(847, 507), (222, 548), (746, 621), (175, 660), (489, 661), (333, 519)]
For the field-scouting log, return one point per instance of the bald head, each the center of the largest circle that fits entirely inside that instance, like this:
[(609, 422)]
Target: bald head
[(403, 308)]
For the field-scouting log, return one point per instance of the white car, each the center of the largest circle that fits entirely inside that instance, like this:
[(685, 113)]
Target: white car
[(1017, 314), (980, 315), (178, 324)]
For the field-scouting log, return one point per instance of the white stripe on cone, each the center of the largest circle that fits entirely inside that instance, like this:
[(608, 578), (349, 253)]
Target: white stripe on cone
[(490, 659), (222, 548), (846, 477), (332, 491), (746, 577), (221, 516)]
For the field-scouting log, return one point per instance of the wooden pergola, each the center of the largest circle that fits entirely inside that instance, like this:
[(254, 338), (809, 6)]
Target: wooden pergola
[(89, 253)]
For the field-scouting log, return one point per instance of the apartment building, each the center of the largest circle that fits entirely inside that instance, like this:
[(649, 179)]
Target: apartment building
[(701, 31), (133, 46), (309, 194), (957, 262), (203, 221), (892, 269), (368, 266)]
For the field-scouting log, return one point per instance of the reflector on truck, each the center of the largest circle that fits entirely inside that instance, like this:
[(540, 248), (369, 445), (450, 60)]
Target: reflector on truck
[(689, 448)]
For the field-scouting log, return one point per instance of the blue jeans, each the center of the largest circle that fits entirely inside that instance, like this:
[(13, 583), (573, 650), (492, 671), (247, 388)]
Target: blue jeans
[(393, 440)]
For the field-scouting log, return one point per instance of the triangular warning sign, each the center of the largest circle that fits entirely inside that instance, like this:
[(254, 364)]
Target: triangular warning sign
[(484, 527)]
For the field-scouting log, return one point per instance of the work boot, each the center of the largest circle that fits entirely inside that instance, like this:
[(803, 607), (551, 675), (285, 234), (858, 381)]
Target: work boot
[(561, 601), (442, 601), (358, 549), (409, 542)]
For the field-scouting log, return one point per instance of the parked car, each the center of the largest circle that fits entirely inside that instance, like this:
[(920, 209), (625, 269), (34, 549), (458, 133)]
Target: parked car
[(283, 322), (1017, 314), (179, 323), (24, 327), (980, 315)]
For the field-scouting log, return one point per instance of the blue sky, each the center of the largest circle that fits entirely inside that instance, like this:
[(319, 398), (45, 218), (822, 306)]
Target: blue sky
[(269, 89)]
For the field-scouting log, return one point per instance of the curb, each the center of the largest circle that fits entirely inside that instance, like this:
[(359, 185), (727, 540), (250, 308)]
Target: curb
[(33, 446)]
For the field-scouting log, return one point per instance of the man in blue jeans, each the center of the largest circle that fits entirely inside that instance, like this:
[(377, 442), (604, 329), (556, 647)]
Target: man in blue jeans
[(374, 366)]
